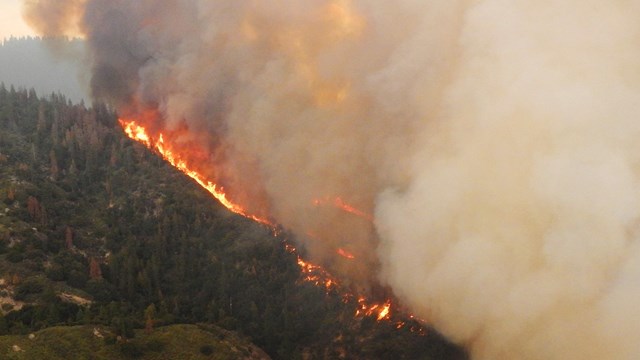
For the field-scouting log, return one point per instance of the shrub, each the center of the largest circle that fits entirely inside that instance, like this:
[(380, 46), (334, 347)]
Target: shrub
[(29, 287), (206, 350), (15, 256), (155, 345), (55, 272), (131, 350), (110, 339)]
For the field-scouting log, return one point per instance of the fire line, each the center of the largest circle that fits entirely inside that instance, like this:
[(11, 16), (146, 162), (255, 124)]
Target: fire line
[(313, 273)]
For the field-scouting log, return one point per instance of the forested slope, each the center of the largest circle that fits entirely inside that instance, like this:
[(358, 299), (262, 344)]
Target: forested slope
[(95, 229)]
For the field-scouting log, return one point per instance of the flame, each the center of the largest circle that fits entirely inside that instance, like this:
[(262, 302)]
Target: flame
[(140, 134), (317, 275), (339, 203), (385, 311), (313, 273), (345, 254), (137, 133), (380, 311)]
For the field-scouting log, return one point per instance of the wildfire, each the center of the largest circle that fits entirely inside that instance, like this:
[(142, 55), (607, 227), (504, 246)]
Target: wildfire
[(380, 311), (344, 206), (140, 134), (313, 273), (317, 275), (137, 133), (345, 254)]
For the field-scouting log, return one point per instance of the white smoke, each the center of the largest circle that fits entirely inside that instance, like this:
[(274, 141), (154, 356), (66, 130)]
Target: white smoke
[(517, 232), (495, 141)]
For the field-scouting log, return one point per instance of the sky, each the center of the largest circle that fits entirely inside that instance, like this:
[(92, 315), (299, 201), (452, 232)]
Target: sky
[(11, 22), (31, 65)]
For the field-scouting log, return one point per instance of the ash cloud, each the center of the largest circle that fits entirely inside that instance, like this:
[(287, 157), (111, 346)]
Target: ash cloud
[(495, 142)]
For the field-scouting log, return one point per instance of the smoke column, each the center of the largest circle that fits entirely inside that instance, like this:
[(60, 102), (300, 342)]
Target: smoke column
[(496, 142)]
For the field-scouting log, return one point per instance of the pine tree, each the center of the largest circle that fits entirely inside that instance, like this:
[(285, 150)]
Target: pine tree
[(95, 273), (149, 318), (68, 238)]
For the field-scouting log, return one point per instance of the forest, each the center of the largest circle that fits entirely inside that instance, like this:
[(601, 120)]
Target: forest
[(95, 230)]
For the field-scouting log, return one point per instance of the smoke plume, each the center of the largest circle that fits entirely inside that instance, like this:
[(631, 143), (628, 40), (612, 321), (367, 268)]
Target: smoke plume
[(495, 142), (54, 18)]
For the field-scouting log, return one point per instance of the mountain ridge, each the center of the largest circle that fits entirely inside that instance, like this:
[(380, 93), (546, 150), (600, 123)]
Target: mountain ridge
[(95, 216)]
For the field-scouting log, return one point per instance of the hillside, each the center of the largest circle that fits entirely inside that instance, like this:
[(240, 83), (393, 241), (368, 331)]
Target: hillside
[(95, 229), (97, 343)]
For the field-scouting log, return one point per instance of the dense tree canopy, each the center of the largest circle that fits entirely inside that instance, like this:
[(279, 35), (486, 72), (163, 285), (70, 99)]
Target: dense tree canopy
[(89, 215)]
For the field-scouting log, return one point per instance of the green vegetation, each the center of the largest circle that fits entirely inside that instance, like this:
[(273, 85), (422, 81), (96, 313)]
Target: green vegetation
[(95, 229), (95, 343)]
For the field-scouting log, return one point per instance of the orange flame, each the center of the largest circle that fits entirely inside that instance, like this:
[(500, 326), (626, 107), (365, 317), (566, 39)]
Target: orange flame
[(139, 133), (315, 274), (380, 311), (345, 254), (344, 206)]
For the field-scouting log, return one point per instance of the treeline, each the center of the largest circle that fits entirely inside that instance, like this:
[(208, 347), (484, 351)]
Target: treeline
[(89, 213), (50, 64)]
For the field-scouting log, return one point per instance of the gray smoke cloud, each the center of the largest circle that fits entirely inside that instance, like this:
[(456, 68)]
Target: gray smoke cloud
[(495, 143)]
